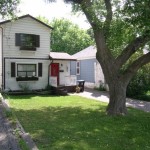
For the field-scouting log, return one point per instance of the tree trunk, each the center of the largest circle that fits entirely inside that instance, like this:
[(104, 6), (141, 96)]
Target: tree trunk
[(117, 101)]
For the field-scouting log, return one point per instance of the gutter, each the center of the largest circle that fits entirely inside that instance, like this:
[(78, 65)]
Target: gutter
[(2, 61), (49, 70)]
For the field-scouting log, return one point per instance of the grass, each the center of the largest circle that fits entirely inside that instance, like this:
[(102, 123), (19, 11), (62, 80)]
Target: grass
[(75, 123), (23, 145)]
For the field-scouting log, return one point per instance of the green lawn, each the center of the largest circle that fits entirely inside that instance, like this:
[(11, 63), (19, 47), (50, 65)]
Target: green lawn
[(75, 123)]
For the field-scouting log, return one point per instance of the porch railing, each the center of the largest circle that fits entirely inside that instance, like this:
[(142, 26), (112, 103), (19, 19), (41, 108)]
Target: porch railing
[(53, 81), (70, 80)]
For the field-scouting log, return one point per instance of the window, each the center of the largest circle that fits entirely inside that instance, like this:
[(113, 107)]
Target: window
[(26, 70), (78, 68), (27, 41)]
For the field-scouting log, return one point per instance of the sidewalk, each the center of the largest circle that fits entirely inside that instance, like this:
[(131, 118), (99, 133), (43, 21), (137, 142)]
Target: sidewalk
[(7, 139), (104, 97)]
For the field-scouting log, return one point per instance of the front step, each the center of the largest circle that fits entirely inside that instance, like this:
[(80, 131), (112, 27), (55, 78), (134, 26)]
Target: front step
[(60, 90)]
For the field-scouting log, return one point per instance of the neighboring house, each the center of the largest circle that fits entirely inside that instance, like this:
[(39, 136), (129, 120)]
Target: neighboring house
[(88, 68), (25, 54)]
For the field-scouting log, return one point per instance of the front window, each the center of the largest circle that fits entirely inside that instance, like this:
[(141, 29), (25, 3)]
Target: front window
[(78, 68), (26, 70)]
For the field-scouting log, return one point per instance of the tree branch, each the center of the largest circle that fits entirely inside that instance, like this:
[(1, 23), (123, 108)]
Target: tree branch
[(102, 50), (108, 16), (86, 6), (133, 68), (132, 48)]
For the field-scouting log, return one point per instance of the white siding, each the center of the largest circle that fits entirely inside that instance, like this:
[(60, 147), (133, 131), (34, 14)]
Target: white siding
[(29, 26), (66, 68), (0, 58), (25, 25), (12, 84)]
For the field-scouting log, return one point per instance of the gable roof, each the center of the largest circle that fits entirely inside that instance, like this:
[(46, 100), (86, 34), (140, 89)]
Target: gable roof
[(87, 53), (7, 21), (61, 56)]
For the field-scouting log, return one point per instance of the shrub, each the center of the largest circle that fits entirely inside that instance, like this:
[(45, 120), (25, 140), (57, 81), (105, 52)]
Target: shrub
[(102, 87), (140, 83), (48, 87)]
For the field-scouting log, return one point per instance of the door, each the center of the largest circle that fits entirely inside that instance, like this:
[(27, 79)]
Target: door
[(55, 71)]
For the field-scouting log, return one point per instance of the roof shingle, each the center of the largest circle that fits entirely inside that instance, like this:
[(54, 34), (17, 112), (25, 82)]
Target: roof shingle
[(7, 21), (89, 52), (61, 56)]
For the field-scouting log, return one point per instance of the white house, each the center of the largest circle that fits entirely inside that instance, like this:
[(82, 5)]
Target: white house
[(25, 55), (60, 69)]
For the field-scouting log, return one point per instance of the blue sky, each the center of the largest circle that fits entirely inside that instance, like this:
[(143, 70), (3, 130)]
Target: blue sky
[(51, 10)]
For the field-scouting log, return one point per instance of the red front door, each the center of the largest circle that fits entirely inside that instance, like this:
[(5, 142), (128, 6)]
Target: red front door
[(55, 71)]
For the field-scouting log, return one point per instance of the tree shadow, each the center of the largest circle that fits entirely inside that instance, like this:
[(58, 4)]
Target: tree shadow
[(96, 93), (77, 128), (21, 97)]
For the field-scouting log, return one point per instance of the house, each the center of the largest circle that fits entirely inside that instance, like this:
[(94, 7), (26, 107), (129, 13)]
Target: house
[(26, 60), (60, 69), (88, 68)]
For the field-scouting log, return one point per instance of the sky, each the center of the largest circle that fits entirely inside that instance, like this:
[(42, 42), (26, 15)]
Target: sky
[(51, 10)]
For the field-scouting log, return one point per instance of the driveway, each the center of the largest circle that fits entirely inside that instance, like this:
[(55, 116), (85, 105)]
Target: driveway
[(104, 97)]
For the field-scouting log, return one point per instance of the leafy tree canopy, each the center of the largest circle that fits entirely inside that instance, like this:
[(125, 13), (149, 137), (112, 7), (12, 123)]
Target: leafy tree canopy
[(8, 7), (67, 37)]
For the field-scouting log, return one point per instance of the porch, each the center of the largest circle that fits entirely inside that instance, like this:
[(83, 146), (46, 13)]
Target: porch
[(59, 72), (69, 86)]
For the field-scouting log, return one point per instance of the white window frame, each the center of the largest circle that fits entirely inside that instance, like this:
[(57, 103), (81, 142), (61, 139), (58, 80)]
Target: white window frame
[(77, 67), (25, 63)]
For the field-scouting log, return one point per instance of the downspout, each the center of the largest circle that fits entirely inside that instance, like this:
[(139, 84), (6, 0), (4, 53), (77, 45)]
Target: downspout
[(49, 70), (2, 60)]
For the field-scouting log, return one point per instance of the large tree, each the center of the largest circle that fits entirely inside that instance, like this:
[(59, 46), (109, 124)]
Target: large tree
[(123, 26), (8, 7), (67, 36)]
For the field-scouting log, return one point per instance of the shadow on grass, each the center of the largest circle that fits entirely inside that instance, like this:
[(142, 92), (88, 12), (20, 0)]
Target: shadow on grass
[(75, 128), (20, 97)]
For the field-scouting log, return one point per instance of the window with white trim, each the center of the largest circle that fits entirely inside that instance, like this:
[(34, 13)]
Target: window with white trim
[(26, 70), (78, 68)]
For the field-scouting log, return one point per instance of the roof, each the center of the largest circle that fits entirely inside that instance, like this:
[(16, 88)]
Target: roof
[(61, 56), (7, 21), (87, 53)]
